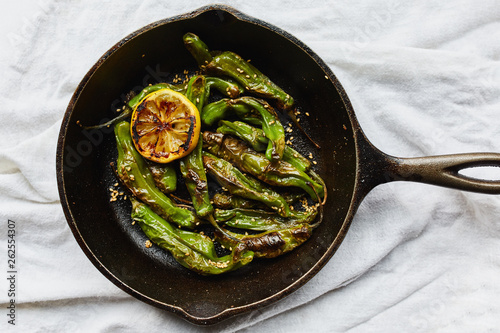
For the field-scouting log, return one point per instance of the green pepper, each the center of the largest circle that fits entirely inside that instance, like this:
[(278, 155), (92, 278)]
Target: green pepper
[(259, 220), (197, 48), (256, 138), (227, 201), (151, 89), (269, 244), (196, 180), (271, 126), (225, 86), (192, 250), (164, 176), (192, 165), (239, 184), (223, 108), (279, 173), (246, 108), (197, 91), (134, 173), (232, 65), (134, 101)]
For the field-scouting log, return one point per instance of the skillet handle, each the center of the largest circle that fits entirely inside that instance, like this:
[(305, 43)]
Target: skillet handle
[(377, 168), (444, 171)]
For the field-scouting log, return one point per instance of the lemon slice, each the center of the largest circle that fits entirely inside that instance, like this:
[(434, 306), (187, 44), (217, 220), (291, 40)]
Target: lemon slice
[(165, 126)]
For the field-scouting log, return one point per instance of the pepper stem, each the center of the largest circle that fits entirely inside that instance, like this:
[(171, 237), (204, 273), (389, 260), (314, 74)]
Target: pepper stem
[(222, 231)]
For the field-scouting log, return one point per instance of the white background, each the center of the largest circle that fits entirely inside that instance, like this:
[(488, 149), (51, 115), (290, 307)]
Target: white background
[(424, 79)]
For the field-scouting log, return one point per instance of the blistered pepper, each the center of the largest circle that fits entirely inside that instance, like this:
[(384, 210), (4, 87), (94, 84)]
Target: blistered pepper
[(191, 249), (232, 65), (256, 138), (223, 108), (238, 184), (249, 109), (279, 173), (164, 176), (135, 175), (225, 86), (192, 165), (259, 220), (134, 101), (228, 201), (269, 244)]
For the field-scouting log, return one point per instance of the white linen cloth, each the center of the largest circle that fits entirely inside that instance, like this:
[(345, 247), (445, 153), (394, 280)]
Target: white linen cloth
[(424, 79)]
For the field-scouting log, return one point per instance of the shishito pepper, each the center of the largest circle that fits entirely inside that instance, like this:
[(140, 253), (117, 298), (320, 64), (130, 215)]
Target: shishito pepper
[(256, 138), (134, 173), (225, 86), (269, 244), (279, 173), (259, 220), (271, 126), (151, 89), (239, 184), (134, 101), (227, 201), (191, 249), (232, 65), (223, 108), (250, 109), (164, 176), (192, 165)]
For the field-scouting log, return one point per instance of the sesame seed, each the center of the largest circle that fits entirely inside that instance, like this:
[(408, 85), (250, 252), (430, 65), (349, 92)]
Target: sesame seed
[(307, 114), (148, 243), (132, 177)]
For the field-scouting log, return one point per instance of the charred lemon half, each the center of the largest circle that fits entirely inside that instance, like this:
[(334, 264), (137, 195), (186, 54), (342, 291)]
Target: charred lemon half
[(165, 126)]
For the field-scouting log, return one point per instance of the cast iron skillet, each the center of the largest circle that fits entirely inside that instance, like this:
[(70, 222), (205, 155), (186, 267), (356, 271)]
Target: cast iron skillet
[(350, 165)]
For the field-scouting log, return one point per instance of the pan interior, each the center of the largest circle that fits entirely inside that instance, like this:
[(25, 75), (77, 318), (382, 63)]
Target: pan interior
[(104, 228)]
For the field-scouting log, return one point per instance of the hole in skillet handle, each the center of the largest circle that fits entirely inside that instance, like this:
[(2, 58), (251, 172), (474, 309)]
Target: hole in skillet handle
[(486, 173)]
